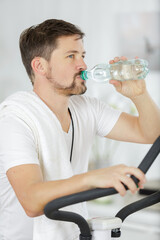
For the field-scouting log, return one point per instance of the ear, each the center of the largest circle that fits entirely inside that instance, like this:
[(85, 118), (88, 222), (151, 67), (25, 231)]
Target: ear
[(39, 65)]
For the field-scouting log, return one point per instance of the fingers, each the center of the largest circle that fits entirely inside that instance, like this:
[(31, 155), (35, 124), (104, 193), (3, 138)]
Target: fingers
[(140, 185), (138, 174), (120, 188), (117, 59), (117, 84), (122, 58), (117, 177), (129, 183), (127, 180), (111, 61)]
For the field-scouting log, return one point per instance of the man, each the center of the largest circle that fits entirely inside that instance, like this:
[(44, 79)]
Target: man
[(40, 157)]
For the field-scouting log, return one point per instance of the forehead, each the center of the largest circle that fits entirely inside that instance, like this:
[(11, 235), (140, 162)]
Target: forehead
[(66, 43)]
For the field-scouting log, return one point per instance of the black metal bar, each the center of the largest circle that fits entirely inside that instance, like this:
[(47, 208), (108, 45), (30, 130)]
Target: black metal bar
[(149, 158), (138, 205), (70, 217)]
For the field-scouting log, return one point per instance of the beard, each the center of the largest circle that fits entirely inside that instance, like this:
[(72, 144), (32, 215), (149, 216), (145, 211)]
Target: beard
[(73, 89)]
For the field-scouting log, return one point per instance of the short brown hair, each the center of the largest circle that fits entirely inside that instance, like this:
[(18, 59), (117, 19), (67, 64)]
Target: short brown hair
[(40, 40)]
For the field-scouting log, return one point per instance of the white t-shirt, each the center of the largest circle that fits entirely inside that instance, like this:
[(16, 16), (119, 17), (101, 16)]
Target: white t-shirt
[(17, 146)]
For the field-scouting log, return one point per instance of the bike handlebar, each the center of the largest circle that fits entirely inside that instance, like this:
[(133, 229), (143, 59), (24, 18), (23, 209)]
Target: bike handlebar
[(100, 192), (51, 209)]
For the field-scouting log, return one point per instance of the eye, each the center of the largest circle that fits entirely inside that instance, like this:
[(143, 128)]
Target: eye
[(71, 56)]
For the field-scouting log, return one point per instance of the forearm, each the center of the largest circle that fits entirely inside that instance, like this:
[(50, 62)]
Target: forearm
[(39, 194), (149, 117), (34, 193)]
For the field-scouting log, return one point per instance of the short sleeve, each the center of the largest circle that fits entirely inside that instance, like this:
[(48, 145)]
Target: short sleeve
[(106, 116), (17, 143)]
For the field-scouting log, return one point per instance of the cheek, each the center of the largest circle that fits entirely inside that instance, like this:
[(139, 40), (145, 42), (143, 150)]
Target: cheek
[(64, 74)]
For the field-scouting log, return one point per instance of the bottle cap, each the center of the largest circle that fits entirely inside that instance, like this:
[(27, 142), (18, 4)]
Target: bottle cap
[(84, 75)]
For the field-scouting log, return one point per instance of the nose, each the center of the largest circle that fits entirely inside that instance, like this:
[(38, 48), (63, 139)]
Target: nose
[(81, 65)]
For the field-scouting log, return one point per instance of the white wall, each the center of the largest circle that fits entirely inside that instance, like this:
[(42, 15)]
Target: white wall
[(99, 20)]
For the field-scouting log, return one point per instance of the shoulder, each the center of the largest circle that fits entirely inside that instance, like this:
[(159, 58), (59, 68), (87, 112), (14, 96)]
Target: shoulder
[(15, 99), (17, 143), (10, 125), (17, 95)]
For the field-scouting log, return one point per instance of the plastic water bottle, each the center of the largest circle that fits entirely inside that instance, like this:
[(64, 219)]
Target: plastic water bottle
[(123, 70)]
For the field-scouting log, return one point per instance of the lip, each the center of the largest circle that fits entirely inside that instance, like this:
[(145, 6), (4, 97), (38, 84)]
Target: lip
[(78, 77)]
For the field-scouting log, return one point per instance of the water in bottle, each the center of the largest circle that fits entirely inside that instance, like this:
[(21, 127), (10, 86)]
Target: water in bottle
[(122, 70)]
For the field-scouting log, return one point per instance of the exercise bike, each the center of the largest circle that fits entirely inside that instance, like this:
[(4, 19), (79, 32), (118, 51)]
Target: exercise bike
[(103, 228)]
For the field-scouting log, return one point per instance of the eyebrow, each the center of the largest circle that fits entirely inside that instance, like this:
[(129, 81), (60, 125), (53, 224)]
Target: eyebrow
[(74, 51)]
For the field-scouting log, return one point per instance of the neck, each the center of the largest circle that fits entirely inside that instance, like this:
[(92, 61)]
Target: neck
[(57, 103)]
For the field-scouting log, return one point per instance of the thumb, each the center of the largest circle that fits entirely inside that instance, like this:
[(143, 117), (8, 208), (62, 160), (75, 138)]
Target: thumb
[(116, 84)]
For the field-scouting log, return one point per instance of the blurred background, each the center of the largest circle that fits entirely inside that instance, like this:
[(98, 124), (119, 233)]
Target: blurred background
[(112, 28)]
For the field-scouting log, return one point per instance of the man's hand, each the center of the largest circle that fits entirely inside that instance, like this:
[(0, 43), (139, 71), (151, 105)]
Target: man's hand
[(115, 177), (129, 88)]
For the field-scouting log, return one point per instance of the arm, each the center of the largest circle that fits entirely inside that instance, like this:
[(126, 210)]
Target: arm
[(33, 193), (146, 127)]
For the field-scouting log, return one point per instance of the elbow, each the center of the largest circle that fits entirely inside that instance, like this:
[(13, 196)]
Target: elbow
[(154, 138), (33, 213), (31, 204), (32, 208), (150, 137)]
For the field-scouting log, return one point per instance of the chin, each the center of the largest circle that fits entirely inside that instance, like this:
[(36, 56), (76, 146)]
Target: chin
[(78, 91), (82, 89)]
